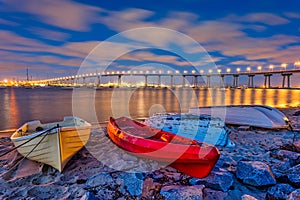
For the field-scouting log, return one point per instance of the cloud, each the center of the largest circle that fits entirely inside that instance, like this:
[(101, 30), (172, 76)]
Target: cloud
[(49, 34), (64, 13), (264, 18)]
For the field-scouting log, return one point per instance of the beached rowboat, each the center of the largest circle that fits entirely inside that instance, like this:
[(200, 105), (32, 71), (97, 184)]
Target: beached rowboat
[(55, 147), (249, 115), (188, 156)]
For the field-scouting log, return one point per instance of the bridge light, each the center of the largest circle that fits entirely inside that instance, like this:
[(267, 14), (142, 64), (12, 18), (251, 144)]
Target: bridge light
[(169, 72), (147, 72), (284, 65), (185, 71), (201, 71), (219, 70), (238, 69), (193, 71), (271, 67), (160, 71), (259, 68), (210, 71), (228, 70), (248, 69), (153, 71), (177, 71)]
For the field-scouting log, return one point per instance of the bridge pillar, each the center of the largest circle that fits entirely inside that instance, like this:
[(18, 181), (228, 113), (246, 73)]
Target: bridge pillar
[(99, 82), (208, 81), (183, 81), (235, 80), (267, 80), (195, 81), (288, 75), (146, 81), (83, 81), (119, 80), (159, 80), (172, 81), (251, 80), (222, 81)]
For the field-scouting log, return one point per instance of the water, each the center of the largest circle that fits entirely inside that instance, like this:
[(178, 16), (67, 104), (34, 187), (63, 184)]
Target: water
[(19, 105)]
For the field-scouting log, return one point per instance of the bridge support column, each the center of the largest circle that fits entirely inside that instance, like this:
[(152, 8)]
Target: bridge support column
[(83, 81), (172, 81), (235, 80), (222, 81), (251, 80), (146, 81), (99, 82), (195, 81), (208, 81), (119, 80), (288, 75), (159, 81), (183, 81), (267, 81)]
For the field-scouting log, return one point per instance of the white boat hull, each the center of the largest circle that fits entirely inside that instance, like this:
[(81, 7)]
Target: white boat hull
[(249, 115), (57, 147)]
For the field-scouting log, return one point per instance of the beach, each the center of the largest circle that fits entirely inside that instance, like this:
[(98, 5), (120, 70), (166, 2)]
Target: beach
[(264, 164)]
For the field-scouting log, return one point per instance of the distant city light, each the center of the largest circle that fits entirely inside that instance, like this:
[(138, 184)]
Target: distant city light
[(5, 80)]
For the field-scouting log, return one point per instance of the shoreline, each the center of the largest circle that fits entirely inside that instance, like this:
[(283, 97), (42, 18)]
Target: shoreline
[(103, 171)]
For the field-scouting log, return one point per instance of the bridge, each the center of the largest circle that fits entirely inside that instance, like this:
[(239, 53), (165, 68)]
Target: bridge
[(76, 79)]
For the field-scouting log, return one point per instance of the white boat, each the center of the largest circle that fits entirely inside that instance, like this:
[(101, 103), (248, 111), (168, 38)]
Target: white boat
[(203, 128), (249, 115), (55, 147)]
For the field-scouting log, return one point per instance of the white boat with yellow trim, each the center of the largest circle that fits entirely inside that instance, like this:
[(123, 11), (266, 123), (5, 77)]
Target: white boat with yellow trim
[(56, 146)]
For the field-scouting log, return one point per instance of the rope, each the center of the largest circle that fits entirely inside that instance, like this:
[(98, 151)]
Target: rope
[(57, 126)]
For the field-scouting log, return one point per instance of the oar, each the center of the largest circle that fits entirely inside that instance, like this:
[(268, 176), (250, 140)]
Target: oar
[(48, 130)]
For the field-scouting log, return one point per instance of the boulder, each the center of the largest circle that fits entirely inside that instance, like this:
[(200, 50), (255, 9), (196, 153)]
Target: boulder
[(255, 173), (285, 155), (210, 194), (99, 180), (295, 195), (279, 192), (294, 176), (296, 145), (217, 180), (248, 197), (175, 192), (280, 169), (132, 182), (297, 113)]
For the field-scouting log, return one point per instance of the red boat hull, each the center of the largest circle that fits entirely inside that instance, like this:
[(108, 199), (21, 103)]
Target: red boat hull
[(188, 156)]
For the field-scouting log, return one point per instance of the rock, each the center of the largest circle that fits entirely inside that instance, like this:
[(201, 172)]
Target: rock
[(248, 197), (175, 192), (48, 192), (297, 113), (285, 155), (295, 195), (132, 182), (210, 194), (294, 176), (255, 173), (217, 180), (296, 145), (279, 192), (149, 186), (89, 196), (99, 180), (279, 170)]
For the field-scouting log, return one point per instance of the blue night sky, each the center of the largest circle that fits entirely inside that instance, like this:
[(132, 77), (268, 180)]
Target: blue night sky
[(55, 37)]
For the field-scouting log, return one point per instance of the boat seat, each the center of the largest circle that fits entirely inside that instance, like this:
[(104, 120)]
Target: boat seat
[(31, 126)]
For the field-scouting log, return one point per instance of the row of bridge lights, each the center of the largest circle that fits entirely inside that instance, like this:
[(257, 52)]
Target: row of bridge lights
[(228, 70)]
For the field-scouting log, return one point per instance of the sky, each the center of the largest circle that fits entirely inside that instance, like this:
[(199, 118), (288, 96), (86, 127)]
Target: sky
[(55, 38)]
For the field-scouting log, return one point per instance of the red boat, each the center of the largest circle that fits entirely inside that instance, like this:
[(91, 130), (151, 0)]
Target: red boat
[(186, 155)]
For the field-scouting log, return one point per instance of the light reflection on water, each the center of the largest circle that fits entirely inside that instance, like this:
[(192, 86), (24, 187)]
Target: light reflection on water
[(18, 105)]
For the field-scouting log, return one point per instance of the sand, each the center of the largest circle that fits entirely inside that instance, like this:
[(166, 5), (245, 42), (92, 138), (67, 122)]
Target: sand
[(103, 171)]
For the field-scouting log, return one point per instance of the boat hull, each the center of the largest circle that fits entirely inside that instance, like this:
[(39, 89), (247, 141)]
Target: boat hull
[(184, 154), (55, 148), (249, 115)]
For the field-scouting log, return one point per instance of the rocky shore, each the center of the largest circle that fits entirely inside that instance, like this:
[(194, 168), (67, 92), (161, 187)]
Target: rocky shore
[(264, 164)]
